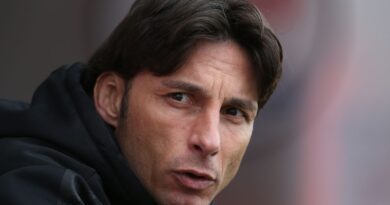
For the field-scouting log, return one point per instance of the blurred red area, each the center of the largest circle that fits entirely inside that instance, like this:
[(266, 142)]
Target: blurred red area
[(281, 13)]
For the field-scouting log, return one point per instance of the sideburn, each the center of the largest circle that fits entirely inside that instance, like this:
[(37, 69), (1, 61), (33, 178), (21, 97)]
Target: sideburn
[(124, 105)]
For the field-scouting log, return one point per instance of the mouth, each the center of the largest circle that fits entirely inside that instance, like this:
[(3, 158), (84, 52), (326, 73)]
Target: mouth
[(194, 179)]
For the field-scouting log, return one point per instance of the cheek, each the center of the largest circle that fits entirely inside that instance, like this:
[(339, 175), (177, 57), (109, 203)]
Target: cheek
[(236, 139), (234, 146), (155, 128), (144, 137)]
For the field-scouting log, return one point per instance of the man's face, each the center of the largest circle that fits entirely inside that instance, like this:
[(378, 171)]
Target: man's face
[(184, 134)]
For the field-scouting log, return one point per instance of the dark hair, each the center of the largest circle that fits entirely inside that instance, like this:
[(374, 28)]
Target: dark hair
[(159, 35)]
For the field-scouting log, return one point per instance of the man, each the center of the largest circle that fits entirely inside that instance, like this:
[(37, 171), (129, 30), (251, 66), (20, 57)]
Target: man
[(162, 113)]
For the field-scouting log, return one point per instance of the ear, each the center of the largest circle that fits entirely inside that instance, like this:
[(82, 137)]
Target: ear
[(108, 93)]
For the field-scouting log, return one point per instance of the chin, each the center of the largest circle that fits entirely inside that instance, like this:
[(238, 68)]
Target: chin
[(183, 199)]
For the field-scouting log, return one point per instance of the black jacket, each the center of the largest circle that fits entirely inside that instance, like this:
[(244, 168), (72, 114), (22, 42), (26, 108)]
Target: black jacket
[(58, 150)]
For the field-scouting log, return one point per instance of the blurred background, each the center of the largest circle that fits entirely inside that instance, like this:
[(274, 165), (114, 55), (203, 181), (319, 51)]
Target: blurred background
[(324, 137)]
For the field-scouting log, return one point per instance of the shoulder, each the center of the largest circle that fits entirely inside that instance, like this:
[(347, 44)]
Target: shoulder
[(31, 171), (46, 184), (16, 152), (12, 105)]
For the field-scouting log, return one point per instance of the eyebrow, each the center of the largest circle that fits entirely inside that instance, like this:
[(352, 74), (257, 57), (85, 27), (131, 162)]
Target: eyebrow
[(248, 105), (189, 87)]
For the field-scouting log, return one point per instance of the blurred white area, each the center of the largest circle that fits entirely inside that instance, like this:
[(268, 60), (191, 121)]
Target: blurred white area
[(365, 126), (345, 141), (343, 109)]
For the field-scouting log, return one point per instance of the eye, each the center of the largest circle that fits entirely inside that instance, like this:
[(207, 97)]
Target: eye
[(236, 115), (180, 97), (234, 112)]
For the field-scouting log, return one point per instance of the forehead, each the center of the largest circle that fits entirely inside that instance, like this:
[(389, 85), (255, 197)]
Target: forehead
[(224, 65)]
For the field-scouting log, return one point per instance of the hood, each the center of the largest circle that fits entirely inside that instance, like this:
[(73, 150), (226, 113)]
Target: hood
[(63, 115)]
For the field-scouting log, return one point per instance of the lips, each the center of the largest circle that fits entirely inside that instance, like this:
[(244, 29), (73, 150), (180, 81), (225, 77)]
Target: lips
[(194, 179)]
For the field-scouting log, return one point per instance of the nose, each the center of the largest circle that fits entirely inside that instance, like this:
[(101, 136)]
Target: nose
[(205, 137)]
